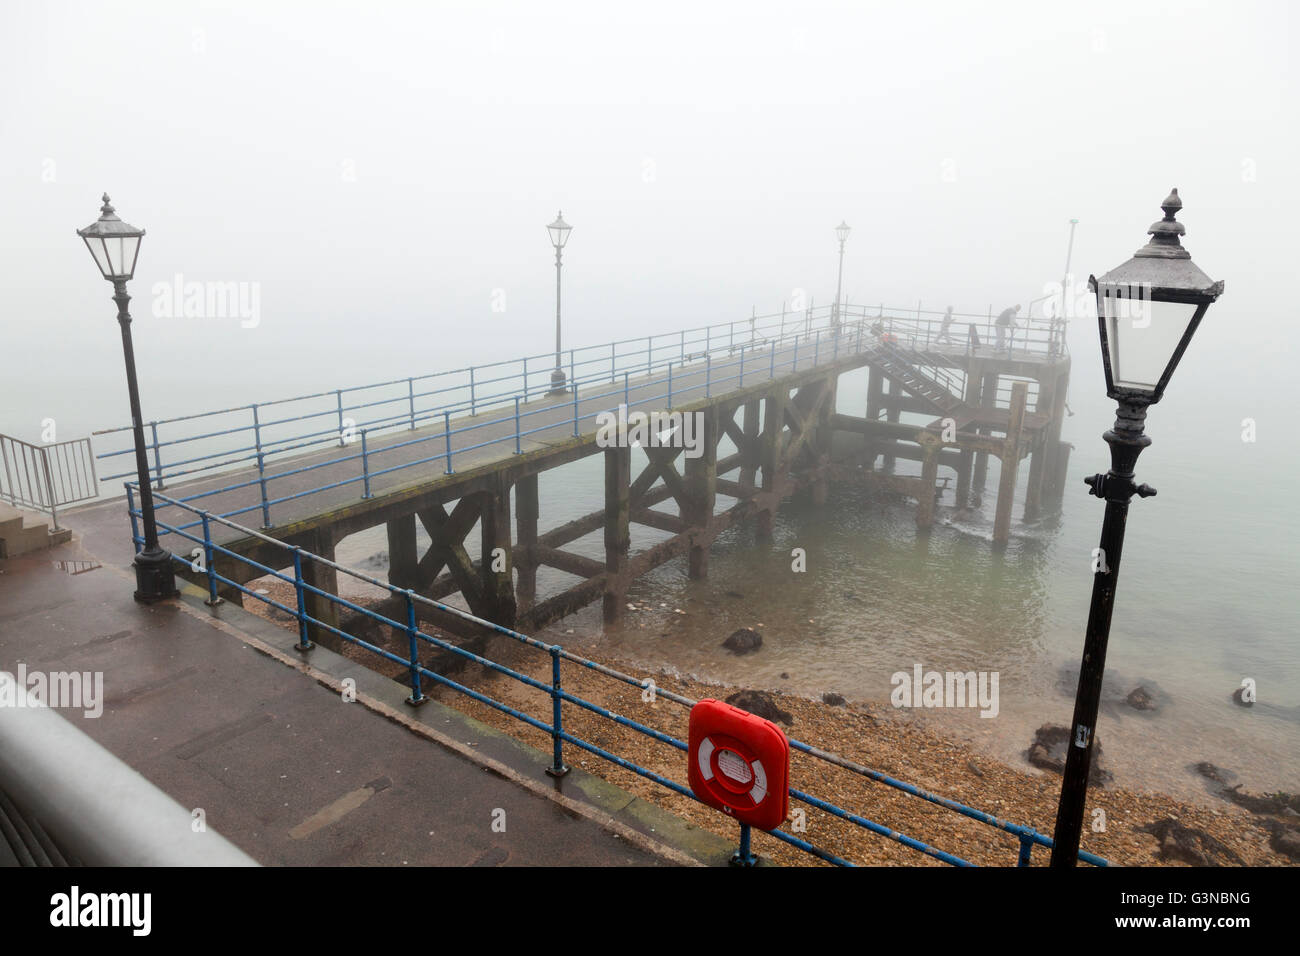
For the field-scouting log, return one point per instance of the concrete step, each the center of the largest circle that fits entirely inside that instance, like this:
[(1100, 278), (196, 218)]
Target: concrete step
[(23, 531)]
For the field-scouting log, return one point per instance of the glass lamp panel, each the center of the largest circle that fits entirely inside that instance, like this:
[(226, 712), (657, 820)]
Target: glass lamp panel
[(130, 249), (116, 250), (96, 247), (1142, 335), (842, 231), (559, 235)]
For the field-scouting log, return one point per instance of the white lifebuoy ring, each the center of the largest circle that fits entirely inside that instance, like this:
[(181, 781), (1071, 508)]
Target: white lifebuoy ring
[(704, 759)]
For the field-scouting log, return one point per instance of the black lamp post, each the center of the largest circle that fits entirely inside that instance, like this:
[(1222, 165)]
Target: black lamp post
[(1148, 309), (115, 246), (842, 233), (559, 231)]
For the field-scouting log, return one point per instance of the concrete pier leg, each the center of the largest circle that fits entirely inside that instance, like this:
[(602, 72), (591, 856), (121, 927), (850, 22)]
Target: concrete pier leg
[(495, 555), (1010, 464), (929, 478), (821, 443), (701, 487), (875, 402), (770, 460), (750, 429), (965, 462), (618, 532), (403, 558), (891, 415), (325, 578), (1034, 491), (1054, 447), (1060, 469), (526, 510), (988, 399)]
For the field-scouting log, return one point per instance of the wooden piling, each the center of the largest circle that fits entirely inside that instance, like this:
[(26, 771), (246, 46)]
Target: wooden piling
[(403, 557), (618, 534), (771, 452), (495, 554), (1010, 464), (526, 514), (701, 490)]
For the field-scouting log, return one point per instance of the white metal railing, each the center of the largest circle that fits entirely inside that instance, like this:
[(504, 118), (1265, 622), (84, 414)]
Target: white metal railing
[(47, 477)]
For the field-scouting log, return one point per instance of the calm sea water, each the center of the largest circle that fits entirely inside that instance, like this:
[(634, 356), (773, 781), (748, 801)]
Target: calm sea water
[(1207, 594)]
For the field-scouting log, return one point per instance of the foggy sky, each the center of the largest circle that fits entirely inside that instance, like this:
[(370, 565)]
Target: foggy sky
[(380, 169)]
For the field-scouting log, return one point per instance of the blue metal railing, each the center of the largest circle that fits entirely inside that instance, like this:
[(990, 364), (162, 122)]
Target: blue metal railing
[(725, 354), (1027, 837)]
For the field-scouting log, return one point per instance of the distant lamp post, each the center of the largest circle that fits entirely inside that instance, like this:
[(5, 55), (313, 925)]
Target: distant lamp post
[(842, 233), (1056, 338), (559, 231), (115, 246), (1148, 309)]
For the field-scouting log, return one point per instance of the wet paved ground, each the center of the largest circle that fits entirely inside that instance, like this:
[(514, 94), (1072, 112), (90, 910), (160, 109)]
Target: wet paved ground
[(280, 764)]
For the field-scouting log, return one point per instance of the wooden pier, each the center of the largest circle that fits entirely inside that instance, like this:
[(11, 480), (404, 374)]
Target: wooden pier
[(976, 403)]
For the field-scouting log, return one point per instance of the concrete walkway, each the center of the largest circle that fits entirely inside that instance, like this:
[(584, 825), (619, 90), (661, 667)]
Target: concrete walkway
[(217, 710)]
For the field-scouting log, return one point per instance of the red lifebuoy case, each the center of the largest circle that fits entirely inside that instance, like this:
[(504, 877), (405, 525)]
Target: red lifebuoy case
[(739, 763)]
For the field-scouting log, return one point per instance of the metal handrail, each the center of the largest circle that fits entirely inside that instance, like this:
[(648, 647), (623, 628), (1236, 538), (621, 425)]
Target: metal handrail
[(799, 350), (97, 810), (205, 556), (475, 388)]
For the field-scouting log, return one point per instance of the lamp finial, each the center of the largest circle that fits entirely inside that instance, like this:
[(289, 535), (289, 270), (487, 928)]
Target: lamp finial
[(1165, 233)]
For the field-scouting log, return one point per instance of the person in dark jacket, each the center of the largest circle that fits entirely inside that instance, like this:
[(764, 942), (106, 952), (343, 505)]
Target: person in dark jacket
[(1004, 323)]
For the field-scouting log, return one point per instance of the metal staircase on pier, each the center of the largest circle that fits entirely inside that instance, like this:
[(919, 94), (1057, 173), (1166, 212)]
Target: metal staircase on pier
[(935, 388)]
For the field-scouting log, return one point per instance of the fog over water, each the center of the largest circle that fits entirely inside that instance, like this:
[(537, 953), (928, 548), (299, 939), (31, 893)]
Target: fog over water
[(382, 175)]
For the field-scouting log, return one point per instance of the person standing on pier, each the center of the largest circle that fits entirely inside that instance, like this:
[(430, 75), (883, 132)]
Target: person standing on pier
[(1005, 321), (944, 327)]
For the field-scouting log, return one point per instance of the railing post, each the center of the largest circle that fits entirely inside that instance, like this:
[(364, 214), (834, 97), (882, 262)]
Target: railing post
[(365, 467), (649, 354), (708, 373), (417, 696), (1026, 849), (796, 354), (304, 642), (572, 366), (557, 767), (261, 467), (472, 402), (213, 600), (49, 486), (817, 347), (613, 364), (130, 510), (670, 386), (525, 378), (627, 391), (744, 856), (682, 357), (518, 447), (575, 407), (708, 339), (446, 431), (741, 383), (157, 458), (410, 395), (771, 368), (338, 393), (731, 336)]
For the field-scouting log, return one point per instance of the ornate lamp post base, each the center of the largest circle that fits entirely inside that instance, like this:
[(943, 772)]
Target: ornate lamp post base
[(154, 578), (557, 382)]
